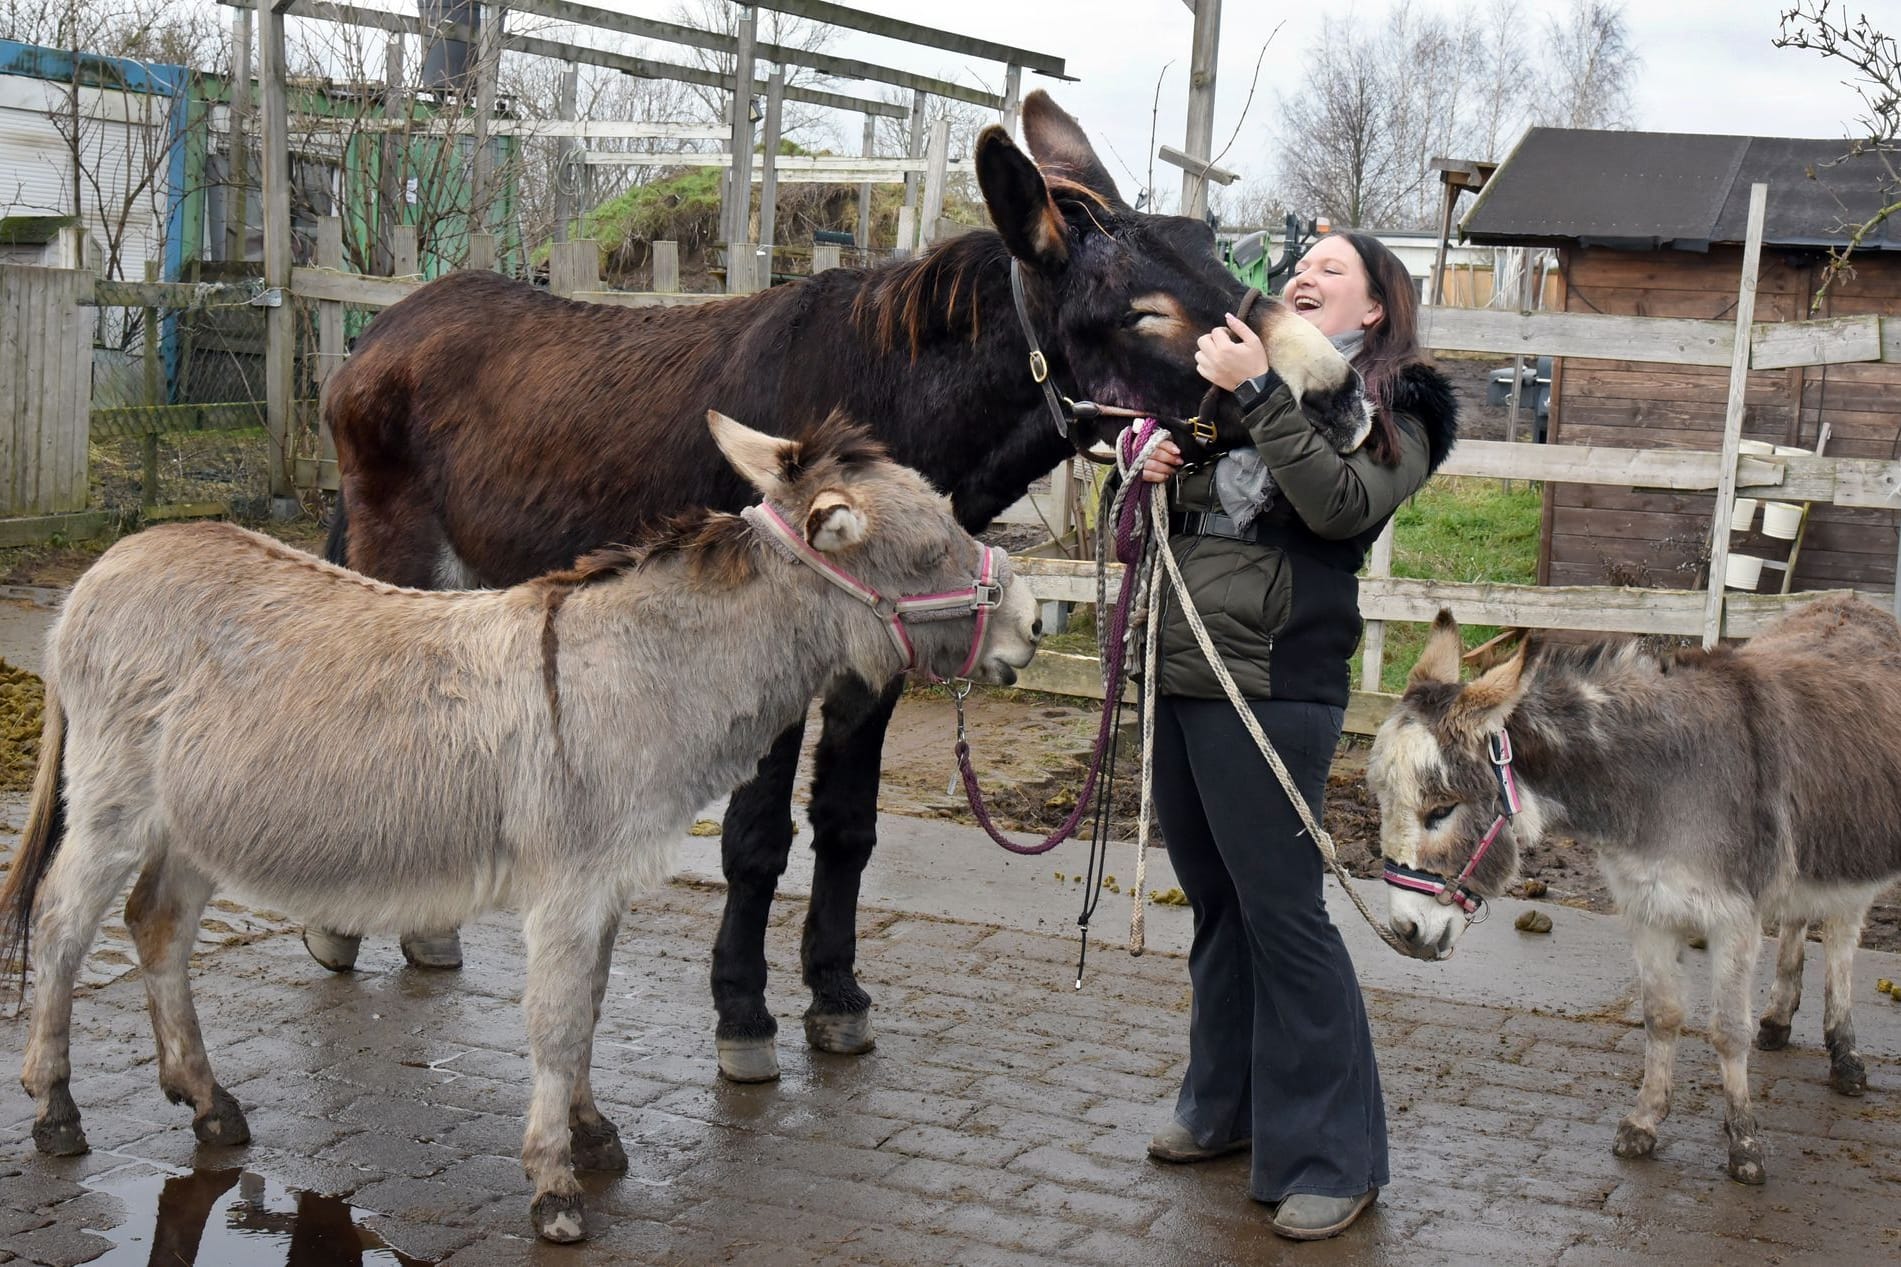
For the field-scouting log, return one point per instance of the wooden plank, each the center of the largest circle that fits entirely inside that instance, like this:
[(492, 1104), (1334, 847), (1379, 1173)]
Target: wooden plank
[(330, 347), (736, 207), (666, 267), (315, 473), (647, 298), (1062, 673), (1373, 641), (1733, 417), (352, 288), (769, 166), (111, 294), (913, 33), (404, 254), (482, 253), (35, 530), (1667, 340), (1594, 464)]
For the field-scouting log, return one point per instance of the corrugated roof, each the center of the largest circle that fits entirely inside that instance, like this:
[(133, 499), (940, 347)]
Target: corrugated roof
[(1648, 190)]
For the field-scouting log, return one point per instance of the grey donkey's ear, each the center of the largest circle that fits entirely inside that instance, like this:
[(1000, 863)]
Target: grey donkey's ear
[(754, 454), (1483, 706), (1439, 662)]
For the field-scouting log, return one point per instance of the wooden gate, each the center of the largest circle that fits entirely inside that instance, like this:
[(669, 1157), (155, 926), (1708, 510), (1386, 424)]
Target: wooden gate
[(45, 389)]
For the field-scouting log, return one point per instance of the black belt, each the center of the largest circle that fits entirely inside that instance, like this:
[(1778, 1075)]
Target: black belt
[(1212, 523)]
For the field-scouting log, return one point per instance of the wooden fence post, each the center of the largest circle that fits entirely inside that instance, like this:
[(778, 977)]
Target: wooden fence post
[(404, 256), (937, 160), (280, 340), (865, 190), (154, 391), (330, 351), (907, 230), (481, 252), (769, 173), (237, 230), (391, 191), (574, 267), (666, 267), (1373, 645), (1733, 418)]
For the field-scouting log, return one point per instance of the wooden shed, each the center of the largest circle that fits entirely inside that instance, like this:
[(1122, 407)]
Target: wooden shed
[(1652, 224)]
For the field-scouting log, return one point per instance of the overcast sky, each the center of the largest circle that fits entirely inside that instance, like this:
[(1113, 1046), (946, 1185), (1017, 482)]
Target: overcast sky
[(1708, 64)]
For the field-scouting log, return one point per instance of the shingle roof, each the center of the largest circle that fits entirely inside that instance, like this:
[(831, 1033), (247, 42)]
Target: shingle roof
[(1647, 190)]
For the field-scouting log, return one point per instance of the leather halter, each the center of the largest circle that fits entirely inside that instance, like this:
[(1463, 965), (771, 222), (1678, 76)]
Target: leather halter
[(979, 598), (1455, 892), (1063, 410)]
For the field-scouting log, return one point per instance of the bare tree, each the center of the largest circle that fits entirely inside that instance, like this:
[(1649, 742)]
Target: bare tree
[(1875, 58), (1591, 69), (1505, 80)]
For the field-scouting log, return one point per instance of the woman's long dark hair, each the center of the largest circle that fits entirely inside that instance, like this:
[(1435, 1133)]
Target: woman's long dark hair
[(1391, 345)]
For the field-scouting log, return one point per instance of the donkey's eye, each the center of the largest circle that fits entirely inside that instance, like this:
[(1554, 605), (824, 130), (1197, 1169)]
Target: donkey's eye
[(1438, 814), (1143, 318)]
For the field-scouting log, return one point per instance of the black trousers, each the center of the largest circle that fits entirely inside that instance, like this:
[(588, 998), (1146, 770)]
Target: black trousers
[(1278, 1046)]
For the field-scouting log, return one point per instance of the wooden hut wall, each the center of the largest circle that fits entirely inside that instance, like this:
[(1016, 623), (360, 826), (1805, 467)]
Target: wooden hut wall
[(1597, 535)]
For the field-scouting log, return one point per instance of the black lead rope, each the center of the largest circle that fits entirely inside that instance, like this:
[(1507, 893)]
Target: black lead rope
[(1095, 870)]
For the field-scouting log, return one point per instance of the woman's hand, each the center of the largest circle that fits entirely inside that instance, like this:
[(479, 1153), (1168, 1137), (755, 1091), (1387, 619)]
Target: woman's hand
[(1229, 356), (1163, 461)]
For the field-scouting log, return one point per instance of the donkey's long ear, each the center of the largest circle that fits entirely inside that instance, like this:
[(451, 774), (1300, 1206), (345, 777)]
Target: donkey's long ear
[(1063, 150), (1020, 204), (754, 454), (1439, 662), (1483, 706)]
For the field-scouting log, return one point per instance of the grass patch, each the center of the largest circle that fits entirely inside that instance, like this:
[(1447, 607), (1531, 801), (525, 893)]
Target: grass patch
[(1459, 528)]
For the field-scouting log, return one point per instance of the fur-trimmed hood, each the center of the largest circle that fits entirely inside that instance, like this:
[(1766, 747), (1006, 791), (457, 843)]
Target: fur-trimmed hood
[(1423, 394)]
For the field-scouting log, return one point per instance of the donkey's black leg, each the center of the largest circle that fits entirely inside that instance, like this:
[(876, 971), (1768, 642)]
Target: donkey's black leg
[(753, 848), (844, 829)]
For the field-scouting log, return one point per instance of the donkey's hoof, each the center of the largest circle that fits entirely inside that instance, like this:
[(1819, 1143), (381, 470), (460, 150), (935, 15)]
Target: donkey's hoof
[(842, 1033), (1771, 1035), (1633, 1140), (335, 951), (748, 1059), (223, 1123), (61, 1138), (1849, 1077), (559, 1218), (597, 1147), (441, 950)]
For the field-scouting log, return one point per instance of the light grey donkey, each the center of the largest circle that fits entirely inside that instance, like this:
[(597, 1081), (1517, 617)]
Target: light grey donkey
[(1719, 789), (473, 748)]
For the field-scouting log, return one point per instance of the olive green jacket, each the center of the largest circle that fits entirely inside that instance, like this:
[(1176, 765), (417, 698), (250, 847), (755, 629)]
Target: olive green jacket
[(1283, 609)]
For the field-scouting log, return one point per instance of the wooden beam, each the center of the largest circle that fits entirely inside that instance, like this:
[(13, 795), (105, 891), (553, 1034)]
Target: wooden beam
[(1196, 167), (279, 330), (570, 169), (1733, 417), (391, 189), (1661, 340), (937, 159), (1198, 146), (768, 169), (488, 63), (823, 63), (736, 206), (237, 212), (913, 33), (864, 189)]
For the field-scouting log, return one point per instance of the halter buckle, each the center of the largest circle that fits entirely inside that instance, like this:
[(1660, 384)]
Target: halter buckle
[(986, 595), (1039, 365), (1203, 432)]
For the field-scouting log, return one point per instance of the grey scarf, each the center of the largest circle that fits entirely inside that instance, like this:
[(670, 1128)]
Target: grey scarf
[(1242, 482)]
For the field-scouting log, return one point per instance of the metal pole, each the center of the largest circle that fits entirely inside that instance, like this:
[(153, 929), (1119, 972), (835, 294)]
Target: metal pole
[(1201, 105)]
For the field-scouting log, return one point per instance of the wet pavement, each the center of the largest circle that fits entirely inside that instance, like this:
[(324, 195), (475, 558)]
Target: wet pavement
[(1001, 1119)]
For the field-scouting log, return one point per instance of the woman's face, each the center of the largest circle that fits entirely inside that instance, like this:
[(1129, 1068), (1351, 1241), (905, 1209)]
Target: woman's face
[(1330, 289)]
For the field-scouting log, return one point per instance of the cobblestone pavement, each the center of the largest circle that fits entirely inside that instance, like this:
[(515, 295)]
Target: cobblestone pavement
[(1001, 1119)]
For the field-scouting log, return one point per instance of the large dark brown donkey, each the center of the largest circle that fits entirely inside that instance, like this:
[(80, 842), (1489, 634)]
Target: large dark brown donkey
[(487, 432)]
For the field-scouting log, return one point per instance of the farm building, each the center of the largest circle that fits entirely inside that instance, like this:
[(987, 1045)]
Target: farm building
[(1652, 224)]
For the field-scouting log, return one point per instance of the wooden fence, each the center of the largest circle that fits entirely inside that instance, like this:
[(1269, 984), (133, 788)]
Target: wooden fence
[(45, 389)]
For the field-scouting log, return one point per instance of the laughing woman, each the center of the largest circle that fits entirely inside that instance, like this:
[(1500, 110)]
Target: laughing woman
[(1270, 526)]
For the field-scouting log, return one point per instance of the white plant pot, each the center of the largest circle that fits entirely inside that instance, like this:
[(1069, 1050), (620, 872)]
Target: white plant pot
[(1742, 514), (1742, 571), (1781, 519)]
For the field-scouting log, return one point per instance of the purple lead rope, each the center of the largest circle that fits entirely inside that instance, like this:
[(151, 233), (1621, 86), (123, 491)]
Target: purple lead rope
[(1128, 551)]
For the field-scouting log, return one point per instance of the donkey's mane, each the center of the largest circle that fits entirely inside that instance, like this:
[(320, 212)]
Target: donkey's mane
[(905, 299)]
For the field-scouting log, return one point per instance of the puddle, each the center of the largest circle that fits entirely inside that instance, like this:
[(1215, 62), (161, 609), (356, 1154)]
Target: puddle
[(234, 1218)]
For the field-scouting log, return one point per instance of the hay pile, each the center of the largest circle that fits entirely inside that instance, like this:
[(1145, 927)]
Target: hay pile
[(21, 696)]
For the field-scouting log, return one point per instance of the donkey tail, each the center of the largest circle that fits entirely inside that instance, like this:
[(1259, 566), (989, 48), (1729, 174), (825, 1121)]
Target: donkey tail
[(45, 830)]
